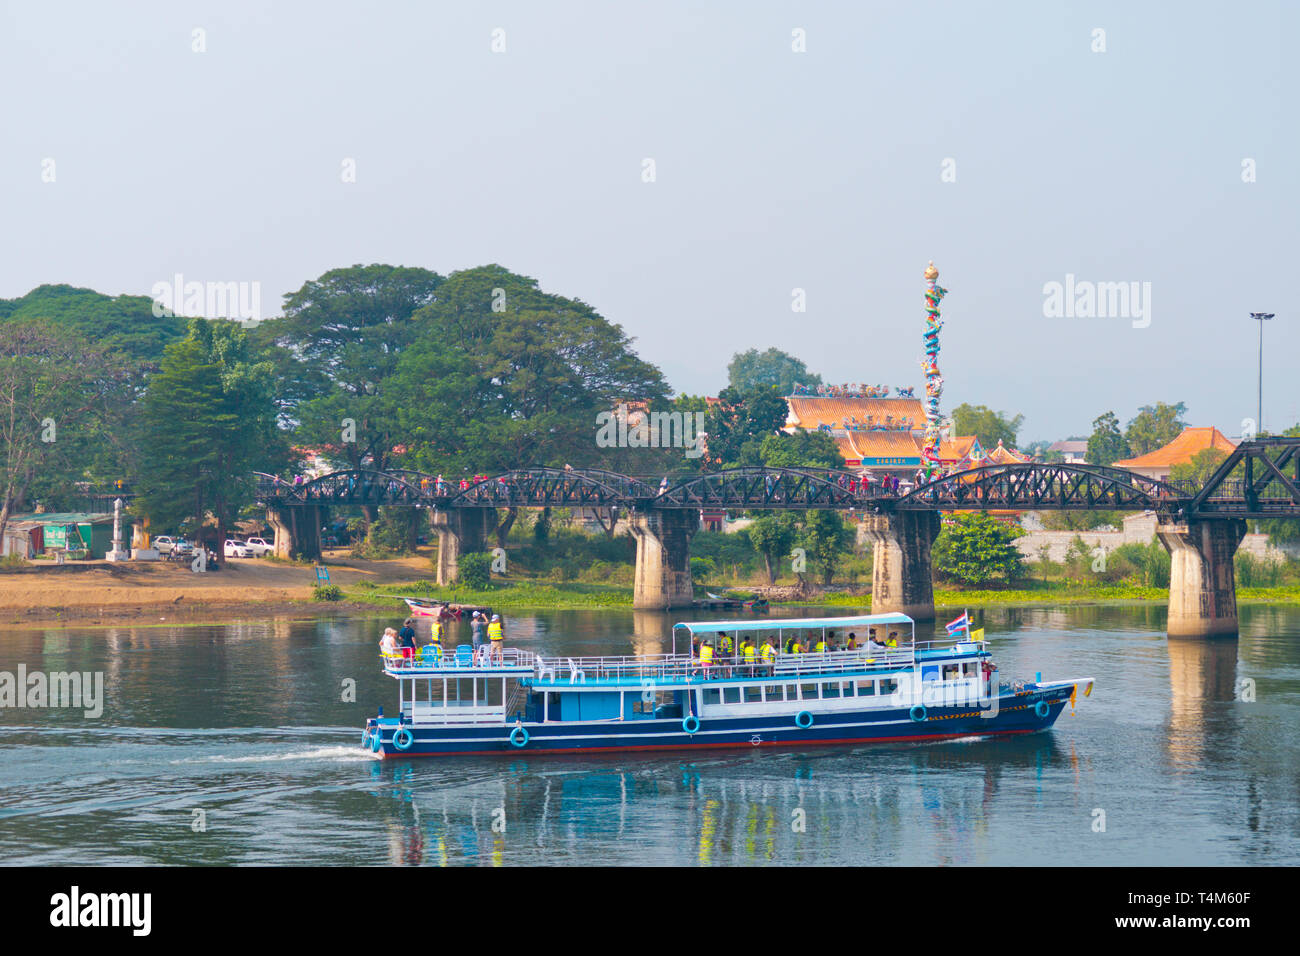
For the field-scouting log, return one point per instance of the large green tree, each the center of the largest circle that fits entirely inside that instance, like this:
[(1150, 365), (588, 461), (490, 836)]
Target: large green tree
[(801, 449), (334, 350), (988, 426), (768, 369), (1106, 445), (57, 391), (1155, 426), (740, 421), (825, 538), (124, 323), (772, 535), (975, 548), (207, 422), (508, 376)]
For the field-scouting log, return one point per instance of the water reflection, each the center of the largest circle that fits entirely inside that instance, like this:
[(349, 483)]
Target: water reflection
[(811, 807)]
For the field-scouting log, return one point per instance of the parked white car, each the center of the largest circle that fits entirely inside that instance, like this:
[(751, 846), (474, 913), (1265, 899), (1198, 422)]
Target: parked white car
[(238, 549), (166, 544), (261, 547)]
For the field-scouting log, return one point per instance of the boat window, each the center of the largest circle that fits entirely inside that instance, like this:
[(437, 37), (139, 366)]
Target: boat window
[(888, 685), (808, 691), (712, 695), (866, 688), (774, 692), (848, 688), (731, 695), (951, 671), (753, 694), (971, 668)]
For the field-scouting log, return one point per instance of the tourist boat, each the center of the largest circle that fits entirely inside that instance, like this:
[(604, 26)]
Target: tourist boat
[(452, 703)]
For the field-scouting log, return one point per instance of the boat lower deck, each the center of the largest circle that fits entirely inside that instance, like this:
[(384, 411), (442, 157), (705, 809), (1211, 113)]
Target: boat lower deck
[(1024, 711)]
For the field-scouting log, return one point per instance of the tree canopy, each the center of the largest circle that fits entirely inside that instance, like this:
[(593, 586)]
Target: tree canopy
[(1155, 426), (988, 426), (772, 368), (1106, 445)]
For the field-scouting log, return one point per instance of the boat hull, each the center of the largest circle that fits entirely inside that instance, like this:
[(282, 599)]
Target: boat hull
[(1017, 713)]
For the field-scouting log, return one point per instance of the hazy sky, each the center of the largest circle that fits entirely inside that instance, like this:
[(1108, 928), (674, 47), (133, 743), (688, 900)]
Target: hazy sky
[(774, 170)]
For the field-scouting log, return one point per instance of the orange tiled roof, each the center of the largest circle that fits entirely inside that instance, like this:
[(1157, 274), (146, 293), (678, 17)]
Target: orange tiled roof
[(1182, 449), (952, 449), (1004, 456), (879, 444), (811, 411)]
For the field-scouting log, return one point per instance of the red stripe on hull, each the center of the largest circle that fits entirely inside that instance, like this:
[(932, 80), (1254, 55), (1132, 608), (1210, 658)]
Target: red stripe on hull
[(718, 746)]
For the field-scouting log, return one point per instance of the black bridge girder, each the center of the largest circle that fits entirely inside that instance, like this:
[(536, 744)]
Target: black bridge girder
[(1261, 479)]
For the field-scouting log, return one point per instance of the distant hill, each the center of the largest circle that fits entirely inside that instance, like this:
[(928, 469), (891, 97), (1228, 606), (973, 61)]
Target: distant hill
[(125, 322)]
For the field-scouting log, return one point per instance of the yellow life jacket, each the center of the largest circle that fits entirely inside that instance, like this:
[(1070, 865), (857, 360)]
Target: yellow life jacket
[(769, 652), (495, 631), (436, 632), (891, 643), (706, 653), (797, 648), (726, 645), (748, 650), (821, 647)]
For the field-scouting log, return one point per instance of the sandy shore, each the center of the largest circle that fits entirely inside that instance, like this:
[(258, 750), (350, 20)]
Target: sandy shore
[(154, 592)]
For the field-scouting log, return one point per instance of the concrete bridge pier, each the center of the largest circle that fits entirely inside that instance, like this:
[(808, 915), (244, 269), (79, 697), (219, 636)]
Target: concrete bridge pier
[(460, 531), (663, 558), (902, 575), (1202, 584), (297, 531)]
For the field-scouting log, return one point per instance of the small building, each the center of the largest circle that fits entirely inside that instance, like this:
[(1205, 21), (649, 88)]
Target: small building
[(1071, 452), (1158, 463), (22, 538), (69, 531)]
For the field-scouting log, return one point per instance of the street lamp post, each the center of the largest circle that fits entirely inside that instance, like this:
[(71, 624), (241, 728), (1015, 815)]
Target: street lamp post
[(1261, 318)]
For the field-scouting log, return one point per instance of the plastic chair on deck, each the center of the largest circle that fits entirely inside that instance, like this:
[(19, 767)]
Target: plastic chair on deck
[(464, 655), (483, 657), (430, 655), (545, 671), (576, 676)]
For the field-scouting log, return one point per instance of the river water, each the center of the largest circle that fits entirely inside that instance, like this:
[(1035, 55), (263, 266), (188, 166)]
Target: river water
[(233, 744)]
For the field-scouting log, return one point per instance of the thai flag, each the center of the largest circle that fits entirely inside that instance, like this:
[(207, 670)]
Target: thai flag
[(961, 624)]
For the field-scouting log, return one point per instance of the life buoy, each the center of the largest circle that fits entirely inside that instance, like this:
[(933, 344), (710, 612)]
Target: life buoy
[(690, 723), (365, 739), (519, 737), (918, 713), (403, 739), (1041, 708), (376, 741), (803, 720)]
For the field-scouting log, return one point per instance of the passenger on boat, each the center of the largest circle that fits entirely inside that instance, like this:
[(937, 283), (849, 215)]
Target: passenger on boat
[(749, 653), (706, 657), (478, 630), (893, 639), (853, 642), (388, 643), (875, 645), (435, 632), (496, 634), (406, 640), (820, 647), (769, 655)]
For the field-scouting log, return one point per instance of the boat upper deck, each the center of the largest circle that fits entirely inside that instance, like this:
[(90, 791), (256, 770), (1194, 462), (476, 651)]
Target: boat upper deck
[(664, 670)]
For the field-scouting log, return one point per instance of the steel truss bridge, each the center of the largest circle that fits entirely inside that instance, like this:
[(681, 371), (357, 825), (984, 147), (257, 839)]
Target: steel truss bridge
[(1261, 479)]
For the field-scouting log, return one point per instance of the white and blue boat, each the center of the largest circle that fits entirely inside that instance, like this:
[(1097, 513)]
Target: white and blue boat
[(451, 704)]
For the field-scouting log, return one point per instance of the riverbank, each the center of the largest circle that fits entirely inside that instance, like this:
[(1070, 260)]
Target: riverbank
[(101, 593)]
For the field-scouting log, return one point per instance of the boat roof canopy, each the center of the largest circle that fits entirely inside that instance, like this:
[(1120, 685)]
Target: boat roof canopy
[(791, 623)]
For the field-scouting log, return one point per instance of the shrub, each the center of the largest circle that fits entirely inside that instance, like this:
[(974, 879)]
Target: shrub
[(702, 569), (475, 570), (327, 592), (1253, 572)]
